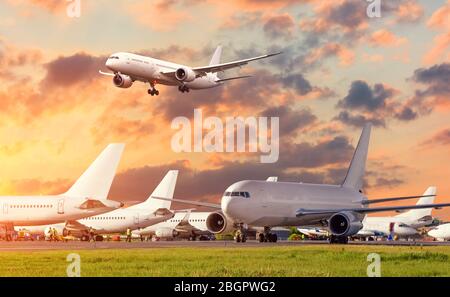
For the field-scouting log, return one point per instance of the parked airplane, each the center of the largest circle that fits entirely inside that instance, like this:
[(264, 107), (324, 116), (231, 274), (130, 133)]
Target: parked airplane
[(269, 204), (190, 225), (402, 225), (87, 197), (128, 68), (441, 232), (141, 215)]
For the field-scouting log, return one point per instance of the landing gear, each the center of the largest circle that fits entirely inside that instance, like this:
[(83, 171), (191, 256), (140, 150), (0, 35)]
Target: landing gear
[(338, 239), (183, 89), (266, 236), (241, 234), (153, 91)]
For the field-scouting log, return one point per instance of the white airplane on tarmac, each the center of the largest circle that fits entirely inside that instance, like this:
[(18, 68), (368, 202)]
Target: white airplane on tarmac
[(128, 68), (341, 208), (441, 232), (403, 225), (87, 197), (141, 215)]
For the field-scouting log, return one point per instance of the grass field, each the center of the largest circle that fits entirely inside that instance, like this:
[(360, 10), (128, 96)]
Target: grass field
[(262, 261)]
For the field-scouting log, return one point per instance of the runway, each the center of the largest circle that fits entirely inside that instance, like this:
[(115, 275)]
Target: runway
[(78, 245)]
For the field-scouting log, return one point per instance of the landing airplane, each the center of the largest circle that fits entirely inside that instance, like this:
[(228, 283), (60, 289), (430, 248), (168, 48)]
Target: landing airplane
[(87, 197), (137, 216), (127, 68), (340, 208), (402, 225)]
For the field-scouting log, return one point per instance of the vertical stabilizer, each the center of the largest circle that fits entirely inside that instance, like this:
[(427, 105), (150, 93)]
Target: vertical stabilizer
[(355, 173), (216, 58), (165, 189), (417, 214), (97, 179)]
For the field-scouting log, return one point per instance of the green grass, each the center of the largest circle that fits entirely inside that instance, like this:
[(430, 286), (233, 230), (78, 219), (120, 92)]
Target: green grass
[(261, 261)]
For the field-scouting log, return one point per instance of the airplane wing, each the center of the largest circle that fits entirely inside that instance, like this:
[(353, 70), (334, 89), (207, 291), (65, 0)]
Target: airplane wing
[(206, 204), (233, 78), (380, 200), (230, 65), (303, 212)]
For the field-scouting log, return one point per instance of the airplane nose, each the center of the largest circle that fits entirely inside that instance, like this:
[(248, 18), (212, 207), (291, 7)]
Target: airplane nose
[(109, 64), (230, 207)]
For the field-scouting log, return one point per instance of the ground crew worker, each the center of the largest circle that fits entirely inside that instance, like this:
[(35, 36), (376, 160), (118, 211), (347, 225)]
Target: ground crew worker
[(128, 234)]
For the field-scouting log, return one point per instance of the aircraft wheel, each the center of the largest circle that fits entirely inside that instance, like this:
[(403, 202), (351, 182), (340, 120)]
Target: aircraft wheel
[(157, 93), (261, 237), (237, 238)]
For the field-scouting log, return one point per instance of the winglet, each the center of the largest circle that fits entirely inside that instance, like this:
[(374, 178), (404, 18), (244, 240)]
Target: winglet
[(355, 173), (96, 181)]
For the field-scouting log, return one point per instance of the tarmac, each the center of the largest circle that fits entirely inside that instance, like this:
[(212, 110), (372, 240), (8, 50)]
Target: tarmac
[(19, 246)]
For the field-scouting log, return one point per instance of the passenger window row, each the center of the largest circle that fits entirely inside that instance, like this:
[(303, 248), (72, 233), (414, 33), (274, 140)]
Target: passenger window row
[(31, 206)]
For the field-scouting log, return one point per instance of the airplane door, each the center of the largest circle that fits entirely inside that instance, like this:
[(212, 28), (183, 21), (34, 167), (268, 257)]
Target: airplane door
[(61, 206), (136, 219), (5, 208)]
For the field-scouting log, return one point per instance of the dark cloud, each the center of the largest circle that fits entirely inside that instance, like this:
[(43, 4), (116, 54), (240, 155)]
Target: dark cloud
[(437, 79), (350, 14), (358, 120), (297, 82), (440, 138), (290, 120), (387, 182), (280, 26), (362, 97), (71, 70), (406, 114)]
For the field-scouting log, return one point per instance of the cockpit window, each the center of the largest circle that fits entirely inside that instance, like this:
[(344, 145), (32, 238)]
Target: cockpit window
[(237, 194), (114, 57)]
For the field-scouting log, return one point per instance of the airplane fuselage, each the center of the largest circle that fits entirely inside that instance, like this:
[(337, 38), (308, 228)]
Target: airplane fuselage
[(147, 69), (273, 204)]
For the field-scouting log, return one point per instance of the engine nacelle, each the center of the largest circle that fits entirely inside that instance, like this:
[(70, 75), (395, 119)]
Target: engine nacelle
[(122, 81), (185, 74), (217, 222), (345, 224), (166, 233)]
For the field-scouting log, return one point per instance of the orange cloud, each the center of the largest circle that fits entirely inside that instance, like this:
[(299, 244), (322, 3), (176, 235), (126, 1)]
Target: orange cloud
[(384, 37), (346, 56), (410, 11), (440, 20)]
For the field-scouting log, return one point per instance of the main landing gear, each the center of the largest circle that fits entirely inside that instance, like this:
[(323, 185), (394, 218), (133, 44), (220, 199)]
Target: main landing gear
[(183, 89), (266, 236), (153, 91), (338, 239)]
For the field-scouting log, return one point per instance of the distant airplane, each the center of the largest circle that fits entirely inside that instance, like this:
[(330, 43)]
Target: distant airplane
[(441, 232), (190, 225), (128, 68), (87, 197), (268, 204), (137, 216), (402, 225)]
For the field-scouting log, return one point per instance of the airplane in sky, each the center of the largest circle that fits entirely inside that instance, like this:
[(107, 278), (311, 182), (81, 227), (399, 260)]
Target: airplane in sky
[(402, 225), (190, 225), (141, 215), (127, 68), (340, 208), (87, 197), (441, 232)]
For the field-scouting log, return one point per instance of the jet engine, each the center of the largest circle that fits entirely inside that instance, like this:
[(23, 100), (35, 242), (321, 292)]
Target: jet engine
[(345, 224), (166, 233), (185, 74), (217, 222), (122, 81)]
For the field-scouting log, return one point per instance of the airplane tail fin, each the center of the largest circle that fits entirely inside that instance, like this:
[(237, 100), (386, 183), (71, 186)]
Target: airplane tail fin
[(217, 56), (417, 214), (165, 189), (97, 179), (355, 173)]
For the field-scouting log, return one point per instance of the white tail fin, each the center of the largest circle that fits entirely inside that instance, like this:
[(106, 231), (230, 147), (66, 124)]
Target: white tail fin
[(272, 179), (355, 173), (216, 58), (97, 179), (417, 214), (165, 189)]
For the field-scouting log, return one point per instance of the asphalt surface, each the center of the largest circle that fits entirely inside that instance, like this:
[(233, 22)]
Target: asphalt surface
[(78, 245)]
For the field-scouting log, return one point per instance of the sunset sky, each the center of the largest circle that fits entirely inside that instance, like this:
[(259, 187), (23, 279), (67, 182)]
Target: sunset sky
[(339, 69)]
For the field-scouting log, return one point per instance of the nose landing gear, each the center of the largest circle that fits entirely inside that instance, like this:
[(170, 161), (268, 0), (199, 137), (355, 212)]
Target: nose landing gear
[(241, 234), (153, 91)]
